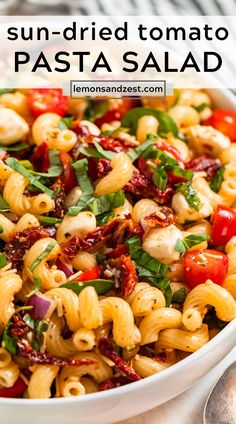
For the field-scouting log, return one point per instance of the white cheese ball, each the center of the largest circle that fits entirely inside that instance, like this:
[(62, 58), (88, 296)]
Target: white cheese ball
[(13, 127), (207, 140), (160, 243), (185, 213), (80, 225)]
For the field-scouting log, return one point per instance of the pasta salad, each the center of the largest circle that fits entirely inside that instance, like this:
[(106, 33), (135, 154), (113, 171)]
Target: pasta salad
[(117, 237)]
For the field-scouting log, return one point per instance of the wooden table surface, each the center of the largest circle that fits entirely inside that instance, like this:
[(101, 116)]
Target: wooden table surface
[(186, 408)]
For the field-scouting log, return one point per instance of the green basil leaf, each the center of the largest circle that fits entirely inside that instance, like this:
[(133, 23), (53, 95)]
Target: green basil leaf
[(160, 177), (201, 107), (144, 260), (37, 286), (217, 180), (98, 152), (187, 174), (65, 122), (27, 318), (16, 165), (107, 203), (1, 229), (96, 109), (4, 207), (5, 90), (15, 147), (27, 164), (42, 256), (3, 260), (179, 296), (81, 171), (9, 342), (39, 328), (101, 286), (166, 123), (134, 154), (49, 220), (104, 218), (189, 241), (190, 195), (100, 258)]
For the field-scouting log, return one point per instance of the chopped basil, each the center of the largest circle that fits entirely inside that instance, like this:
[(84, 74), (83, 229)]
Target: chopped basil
[(38, 327), (201, 107), (101, 286), (96, 152), (134, 154), (143, 258), (65, 122), (33, 180), (186, 174), (160, 177), (217, 180), (1, 229), (104, 218), (4, 207), (100, 258), (9, 342), (5, 90), (49, 220), (26, 163), (190, 195), (147, 267), (179, 296), (55, 168), (96, 109), (166, 123), (189, 241), (81, 171), (42, 255), (107, 203), (37, 286), (3, 260), (15, 147)]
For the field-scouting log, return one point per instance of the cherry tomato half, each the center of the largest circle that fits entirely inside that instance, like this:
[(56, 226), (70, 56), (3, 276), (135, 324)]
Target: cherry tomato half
[(44, 100), (68, 175), (17, 389), (204, 264), (116, 113), (224, 225), (90, 274), (224, 121)]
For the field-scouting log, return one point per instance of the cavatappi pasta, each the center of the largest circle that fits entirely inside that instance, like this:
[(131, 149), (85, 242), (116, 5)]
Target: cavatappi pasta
[(117, 238)]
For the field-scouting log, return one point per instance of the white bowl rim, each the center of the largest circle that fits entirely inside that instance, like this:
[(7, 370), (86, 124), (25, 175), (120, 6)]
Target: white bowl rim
[(147, 381), (134, 386)]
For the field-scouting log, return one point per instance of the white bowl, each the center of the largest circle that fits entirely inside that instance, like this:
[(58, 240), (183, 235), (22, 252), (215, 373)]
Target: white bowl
[(124, 402)]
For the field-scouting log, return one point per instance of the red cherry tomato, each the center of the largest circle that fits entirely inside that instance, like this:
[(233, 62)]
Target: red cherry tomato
[(68, 176), (115, 114), (17, 389), (224, 121), (44, 100), (224, 225), (204, 264), (90, 274)]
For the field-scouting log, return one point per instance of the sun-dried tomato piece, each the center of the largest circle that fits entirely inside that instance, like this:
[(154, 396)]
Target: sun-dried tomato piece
[(18, 327), (59, 199), (163, 218), (21, 242), (80, 129), (113, 382), (126, 229), (166, 147), (103, 167), (113, 234), (68, 177), (26, 351), (40, 158), (106, 348), (141, 186), (118, 251), (204, 163), (127, 277)]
